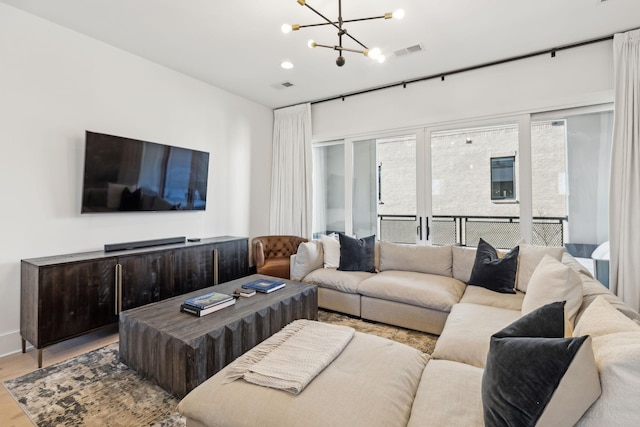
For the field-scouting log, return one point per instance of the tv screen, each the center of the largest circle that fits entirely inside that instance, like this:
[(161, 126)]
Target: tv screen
[(124, 175)]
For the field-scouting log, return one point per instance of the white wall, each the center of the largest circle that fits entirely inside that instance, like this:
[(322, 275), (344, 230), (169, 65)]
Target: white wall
[(54, 85), (574, 77)]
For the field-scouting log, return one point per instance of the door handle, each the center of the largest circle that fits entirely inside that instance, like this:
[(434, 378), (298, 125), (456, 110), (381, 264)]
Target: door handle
[(118, 289), (426, 222)]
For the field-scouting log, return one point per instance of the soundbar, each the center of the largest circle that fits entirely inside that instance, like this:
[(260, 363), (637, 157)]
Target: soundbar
[(110, 247)]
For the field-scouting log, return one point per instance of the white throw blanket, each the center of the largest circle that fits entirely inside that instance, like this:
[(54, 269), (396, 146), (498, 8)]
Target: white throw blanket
[(291, 358)]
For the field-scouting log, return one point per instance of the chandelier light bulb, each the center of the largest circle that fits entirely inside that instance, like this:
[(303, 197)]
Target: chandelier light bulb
[(374, 53), (286, 65), (286, 28), (398, 14), (311, 44)]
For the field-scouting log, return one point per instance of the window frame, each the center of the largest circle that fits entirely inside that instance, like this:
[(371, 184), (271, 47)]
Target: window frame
[(498, 199)]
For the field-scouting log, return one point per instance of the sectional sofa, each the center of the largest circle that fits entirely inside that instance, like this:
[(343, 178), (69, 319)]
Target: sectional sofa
[(558, 339)]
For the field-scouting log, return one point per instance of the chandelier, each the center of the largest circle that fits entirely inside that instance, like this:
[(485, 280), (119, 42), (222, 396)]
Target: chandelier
[(373, 53)]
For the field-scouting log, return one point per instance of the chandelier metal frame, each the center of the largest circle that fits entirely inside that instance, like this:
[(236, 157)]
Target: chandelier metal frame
[(374, 53)]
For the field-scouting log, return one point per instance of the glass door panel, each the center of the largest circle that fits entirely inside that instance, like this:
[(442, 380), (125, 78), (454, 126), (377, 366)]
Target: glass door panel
[(474, 186), (384, 189), (548, 182), (570, 156), (328, 189)]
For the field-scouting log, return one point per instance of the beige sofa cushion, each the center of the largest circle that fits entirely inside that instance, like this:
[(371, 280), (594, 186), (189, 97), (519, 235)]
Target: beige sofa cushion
[(553, 281), (483, 296), (601, 318), (449, 395), (468, 330), (591, 289), (419, 289), (343, 281), (529, 258), (618, 360), (372, 382), (422, 259), (569, 260), (463, 259)]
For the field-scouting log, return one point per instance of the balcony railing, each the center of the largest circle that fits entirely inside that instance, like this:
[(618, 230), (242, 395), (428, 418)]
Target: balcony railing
[(501, 232)]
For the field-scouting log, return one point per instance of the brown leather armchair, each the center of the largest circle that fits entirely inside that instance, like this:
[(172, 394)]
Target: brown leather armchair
[(271, 254)]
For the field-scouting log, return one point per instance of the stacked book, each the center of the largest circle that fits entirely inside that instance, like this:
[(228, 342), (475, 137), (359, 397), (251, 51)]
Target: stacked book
[(205, 304), (265, 285)]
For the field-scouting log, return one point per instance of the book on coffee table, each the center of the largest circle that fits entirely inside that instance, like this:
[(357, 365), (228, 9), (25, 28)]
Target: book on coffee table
[(208, 300), (265, 285), (244, 292), (186, 308)]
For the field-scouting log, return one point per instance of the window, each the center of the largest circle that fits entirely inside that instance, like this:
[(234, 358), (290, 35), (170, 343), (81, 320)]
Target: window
[(503, 178)]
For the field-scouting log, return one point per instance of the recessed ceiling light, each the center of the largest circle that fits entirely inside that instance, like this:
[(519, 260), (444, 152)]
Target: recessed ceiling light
[(287, 65)]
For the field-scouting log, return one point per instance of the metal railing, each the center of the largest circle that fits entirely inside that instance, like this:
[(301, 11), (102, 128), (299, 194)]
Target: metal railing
[(501, 232)]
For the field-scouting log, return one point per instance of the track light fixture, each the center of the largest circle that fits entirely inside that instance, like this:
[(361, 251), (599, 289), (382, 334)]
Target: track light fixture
[(374, 53)]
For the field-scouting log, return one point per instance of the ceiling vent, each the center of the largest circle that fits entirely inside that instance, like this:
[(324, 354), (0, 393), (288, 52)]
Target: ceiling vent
[(282, 85), (408, 50)]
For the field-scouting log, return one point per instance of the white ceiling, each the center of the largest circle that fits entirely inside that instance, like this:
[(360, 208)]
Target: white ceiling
[(238, 45)]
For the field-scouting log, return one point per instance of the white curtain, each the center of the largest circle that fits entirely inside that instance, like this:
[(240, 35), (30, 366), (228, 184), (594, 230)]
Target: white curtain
[(624, 203), (291, 172)]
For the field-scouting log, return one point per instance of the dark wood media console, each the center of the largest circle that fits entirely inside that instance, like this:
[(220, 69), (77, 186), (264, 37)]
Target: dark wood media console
[(66, 296)]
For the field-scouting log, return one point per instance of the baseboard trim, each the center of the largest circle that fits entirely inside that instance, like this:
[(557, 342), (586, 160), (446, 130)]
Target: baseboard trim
[(11, 343)]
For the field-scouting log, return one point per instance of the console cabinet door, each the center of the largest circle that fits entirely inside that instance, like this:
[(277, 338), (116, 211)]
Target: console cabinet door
[(143, 276), (75, 298), (233, 259), (193, 269)]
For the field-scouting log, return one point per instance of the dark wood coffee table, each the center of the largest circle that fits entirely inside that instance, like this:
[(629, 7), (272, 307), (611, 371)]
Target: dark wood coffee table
[(179, 351)]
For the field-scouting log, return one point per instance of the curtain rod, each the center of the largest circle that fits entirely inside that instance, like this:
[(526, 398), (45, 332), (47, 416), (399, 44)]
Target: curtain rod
[(442, 76)]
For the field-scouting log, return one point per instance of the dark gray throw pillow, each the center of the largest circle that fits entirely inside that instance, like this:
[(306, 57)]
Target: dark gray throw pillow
[(357, 254), (492, 272), (535, 376)]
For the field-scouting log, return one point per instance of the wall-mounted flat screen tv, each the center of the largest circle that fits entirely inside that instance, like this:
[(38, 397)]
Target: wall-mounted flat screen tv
[(125, 175)]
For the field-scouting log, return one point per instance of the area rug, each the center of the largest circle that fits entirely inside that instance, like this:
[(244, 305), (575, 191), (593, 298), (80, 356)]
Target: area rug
[(95, 389), (420, 340)]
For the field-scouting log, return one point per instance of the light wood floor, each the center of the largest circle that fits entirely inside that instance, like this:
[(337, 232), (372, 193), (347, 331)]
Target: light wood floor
[(19, 364)]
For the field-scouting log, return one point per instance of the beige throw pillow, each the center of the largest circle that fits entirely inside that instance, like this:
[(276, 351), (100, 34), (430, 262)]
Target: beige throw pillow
[(309, 257), (550, 282), (528, 260), (331, 249)]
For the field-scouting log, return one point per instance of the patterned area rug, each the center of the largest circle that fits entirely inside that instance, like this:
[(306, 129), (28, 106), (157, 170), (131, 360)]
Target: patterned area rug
[(420, 340), (95, 389)]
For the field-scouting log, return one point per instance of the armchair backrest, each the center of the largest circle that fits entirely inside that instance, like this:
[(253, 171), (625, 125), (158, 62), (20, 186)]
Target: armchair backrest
[(268, 247)]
